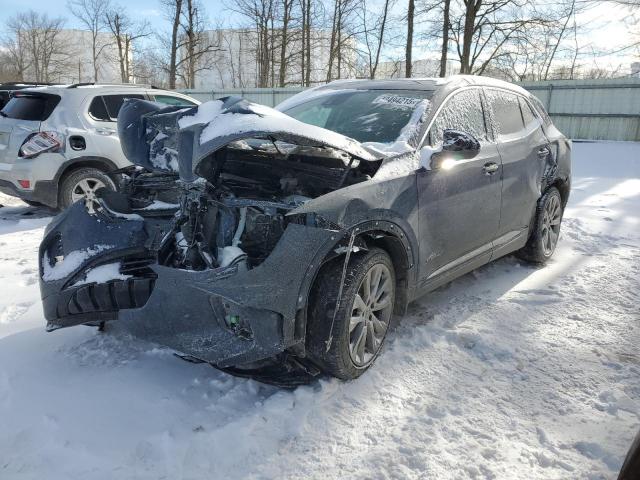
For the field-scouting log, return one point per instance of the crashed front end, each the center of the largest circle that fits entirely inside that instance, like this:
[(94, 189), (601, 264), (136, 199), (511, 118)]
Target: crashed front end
[(204, 250)]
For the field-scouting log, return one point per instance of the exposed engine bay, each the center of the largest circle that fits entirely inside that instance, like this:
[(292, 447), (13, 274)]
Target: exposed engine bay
[(235, 214)]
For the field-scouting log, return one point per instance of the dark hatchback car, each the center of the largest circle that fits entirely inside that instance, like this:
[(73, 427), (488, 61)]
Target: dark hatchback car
[(252, 238)]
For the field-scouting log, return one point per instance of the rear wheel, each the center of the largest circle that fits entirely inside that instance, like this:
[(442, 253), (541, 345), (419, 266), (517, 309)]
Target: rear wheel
[(544, 238), (347, 343), (81, 185)]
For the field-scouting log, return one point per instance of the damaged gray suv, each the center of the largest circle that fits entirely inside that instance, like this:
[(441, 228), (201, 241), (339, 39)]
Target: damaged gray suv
[(279, 243)]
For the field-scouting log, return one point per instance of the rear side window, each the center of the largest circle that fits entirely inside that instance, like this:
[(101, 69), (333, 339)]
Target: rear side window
[(29, 106), (461, 112), (530, 119), (506, 113), (170, 100), (537, 104), (106, 107)]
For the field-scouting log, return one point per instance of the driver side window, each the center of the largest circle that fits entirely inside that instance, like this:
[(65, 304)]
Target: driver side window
[(462, 112)]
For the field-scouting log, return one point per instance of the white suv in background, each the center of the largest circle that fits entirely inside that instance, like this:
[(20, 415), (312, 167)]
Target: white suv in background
[(58, 144)]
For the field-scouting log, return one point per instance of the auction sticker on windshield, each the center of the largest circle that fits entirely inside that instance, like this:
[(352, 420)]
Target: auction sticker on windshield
[(397, 101)]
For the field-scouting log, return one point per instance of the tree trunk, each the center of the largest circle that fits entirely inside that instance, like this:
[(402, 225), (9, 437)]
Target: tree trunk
[(445, 39), (408, 61), (467, 39), (283, 47), (174, 45), (380, 39), (332, 43), (308, 46), (94, 50)]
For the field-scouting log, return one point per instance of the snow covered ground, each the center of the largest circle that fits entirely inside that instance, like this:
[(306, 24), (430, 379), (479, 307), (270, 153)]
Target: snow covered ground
[(510, 372)]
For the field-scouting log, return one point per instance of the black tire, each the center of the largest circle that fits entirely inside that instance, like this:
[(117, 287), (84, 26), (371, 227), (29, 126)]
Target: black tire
[(538, 250), (337, 359), (71, 181)]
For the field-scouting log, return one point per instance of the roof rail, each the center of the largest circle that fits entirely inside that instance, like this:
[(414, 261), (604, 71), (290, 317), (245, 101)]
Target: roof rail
[(86, 84), (33, 84)]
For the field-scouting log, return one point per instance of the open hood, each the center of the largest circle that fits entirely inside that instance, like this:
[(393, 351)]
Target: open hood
[(179, 139)]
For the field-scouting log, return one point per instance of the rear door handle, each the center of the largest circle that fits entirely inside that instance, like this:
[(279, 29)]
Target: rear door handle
[(490, 168), (544, 152)]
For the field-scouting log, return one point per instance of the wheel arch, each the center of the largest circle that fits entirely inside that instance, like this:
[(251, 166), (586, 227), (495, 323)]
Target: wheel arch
[(564, 187), (383, 234), (101, 163)]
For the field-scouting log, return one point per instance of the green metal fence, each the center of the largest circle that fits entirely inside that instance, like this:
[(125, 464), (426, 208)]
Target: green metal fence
[(606, 109)]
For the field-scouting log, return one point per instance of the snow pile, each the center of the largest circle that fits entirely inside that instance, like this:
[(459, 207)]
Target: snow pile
[(160, 205), (203, 114), (510, 372), (103, 274), (63, 266), (162, 156)]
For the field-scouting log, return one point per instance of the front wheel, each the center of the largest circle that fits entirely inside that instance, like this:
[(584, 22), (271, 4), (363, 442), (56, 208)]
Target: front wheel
[(546, 229), (347, 343)]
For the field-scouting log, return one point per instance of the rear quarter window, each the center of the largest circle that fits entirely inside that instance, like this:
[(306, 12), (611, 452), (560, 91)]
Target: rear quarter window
[(537, 104), (106, 107), (506, 114), (31, 106)]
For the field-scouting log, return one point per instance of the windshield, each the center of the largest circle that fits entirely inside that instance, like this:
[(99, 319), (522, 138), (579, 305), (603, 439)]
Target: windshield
[(364, 115)]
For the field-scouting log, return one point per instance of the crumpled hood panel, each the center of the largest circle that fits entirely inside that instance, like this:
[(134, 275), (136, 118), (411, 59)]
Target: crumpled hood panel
[(179, 139)]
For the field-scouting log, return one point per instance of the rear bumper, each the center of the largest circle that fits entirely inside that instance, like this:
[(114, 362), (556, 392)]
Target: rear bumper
[(40, 171), (225, 316), (44, 192)]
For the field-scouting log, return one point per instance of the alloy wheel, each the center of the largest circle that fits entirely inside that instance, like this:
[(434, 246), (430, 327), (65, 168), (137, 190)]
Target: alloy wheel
[(551, 218), (85, 190), (370, 315)]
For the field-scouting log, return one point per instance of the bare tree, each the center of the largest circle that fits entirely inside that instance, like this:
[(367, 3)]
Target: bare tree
[(446, 26), (408, 58), (173, 10), (92, 14), (37, 47), (374, 29), (125, 33), (195, 44)]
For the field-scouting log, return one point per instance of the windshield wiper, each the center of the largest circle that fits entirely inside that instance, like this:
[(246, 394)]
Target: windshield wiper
[(3, 114)]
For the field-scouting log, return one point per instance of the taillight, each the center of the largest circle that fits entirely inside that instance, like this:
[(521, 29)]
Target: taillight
[(41, 142)]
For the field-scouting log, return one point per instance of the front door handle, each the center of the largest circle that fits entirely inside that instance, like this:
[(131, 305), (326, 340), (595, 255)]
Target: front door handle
[(544, 152), (490, 168)]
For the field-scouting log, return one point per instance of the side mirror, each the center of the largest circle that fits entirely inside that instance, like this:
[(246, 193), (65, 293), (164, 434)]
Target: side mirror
[(462, 145), (456, 145)]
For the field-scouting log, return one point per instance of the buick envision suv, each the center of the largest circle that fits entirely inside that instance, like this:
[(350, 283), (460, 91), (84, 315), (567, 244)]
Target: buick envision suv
[(273, 243)]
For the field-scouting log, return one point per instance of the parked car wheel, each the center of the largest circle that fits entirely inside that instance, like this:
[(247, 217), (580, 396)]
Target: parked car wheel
[(81, 185), (346, 344), (544, 238)]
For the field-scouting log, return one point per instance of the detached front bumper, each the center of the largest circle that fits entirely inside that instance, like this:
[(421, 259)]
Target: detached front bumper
[(223, 316)]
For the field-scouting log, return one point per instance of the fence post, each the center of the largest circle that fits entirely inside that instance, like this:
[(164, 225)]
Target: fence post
[(550, 90)]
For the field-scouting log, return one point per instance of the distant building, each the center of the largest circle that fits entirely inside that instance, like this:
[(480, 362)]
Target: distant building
[(235, 64), (72, 61)]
